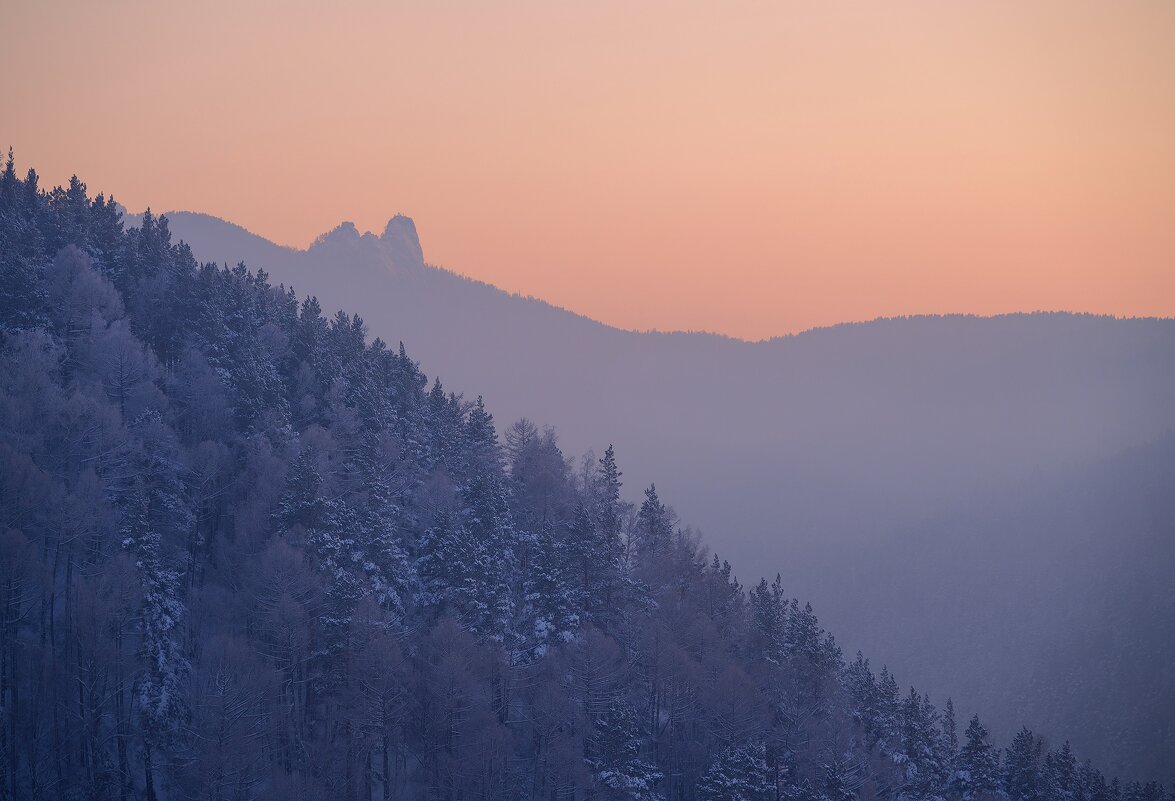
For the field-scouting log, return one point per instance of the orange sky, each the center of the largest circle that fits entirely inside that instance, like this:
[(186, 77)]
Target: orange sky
[(749, 168)]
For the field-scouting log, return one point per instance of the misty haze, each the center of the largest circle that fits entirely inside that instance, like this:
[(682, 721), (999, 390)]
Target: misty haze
[(587, 401), (1002, 467)]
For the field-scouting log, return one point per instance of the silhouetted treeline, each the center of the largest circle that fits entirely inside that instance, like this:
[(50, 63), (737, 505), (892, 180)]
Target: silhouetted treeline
[(245, 553)]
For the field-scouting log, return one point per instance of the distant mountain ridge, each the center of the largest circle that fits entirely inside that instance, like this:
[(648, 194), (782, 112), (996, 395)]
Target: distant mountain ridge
[(400, 243), (815, 454)]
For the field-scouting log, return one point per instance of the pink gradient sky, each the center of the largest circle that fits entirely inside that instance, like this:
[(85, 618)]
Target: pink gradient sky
[(748, 168)]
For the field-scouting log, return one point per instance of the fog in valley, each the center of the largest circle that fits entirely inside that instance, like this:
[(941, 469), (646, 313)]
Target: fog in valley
[(985, 505)]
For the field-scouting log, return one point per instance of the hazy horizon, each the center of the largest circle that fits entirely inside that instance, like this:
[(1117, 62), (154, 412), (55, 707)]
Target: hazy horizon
[(756, 171), (134, 217)]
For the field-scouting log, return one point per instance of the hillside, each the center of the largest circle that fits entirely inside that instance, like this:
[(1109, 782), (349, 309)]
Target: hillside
[(248, 553), (822, 454)]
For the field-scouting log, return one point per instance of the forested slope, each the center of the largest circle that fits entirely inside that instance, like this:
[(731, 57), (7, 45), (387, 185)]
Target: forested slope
[(827, 454), (246, 553)]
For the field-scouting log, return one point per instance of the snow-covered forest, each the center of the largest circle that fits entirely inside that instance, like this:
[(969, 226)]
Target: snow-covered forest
[(246, 553)]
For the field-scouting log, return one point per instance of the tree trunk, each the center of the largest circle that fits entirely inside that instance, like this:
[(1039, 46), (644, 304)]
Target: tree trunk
[(148, 772), (120, 726), (385, 744)]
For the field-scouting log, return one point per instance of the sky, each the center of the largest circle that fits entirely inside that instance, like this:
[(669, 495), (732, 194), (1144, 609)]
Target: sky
[(749, 168)]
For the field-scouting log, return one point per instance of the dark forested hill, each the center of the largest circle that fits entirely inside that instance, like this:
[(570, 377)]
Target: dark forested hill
[(248, 552), (827, 454)]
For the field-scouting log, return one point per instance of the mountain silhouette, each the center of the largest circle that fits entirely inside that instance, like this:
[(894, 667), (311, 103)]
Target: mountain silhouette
[(827, 455)]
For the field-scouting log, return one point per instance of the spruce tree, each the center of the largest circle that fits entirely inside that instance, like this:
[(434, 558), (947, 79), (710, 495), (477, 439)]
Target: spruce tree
[(619, 770), (493, 544), (22, 251), (861, 687), (1060, 775), (768, 612), (160, 689), (950, 730), (1021, 766), (738, 773), (977, 770), (552, 598), (653, 526)]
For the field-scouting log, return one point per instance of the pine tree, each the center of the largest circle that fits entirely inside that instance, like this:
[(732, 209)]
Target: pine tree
[(609, 512), (161, 702), (339, 558), (1021, 766), (480, 442), (493, 545), (302, 507), (444, 424), (1091, 784), (950, 731), (441, 558), (861, 687), (813, 656), (614, 756), (328, 527), (391, 579), (920, 754), (1060, 775), (768, 611), (977, 771), (552, 596), (381, 522), (738, 773), (22, 249), (888, 705), (725, 599), (590, 575), (653, 526)]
